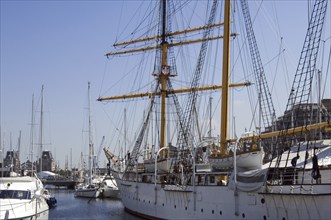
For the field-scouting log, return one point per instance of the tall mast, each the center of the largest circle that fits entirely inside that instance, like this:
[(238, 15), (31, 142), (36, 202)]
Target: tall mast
[(41, 128), (164, 73), (90, 138), (32, 133), (19, 146), (225, 78)]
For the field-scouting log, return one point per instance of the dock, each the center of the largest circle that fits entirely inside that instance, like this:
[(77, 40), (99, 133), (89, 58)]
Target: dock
[(68, 183)]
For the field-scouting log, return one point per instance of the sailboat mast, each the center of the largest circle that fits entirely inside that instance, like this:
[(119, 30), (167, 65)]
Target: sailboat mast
[(225, 78), (41, 128), (19, 146), (164, 74), (90, 138), (31, 135)]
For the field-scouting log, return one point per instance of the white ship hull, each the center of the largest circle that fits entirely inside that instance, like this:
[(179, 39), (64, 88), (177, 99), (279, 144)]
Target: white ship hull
[(220, 202)]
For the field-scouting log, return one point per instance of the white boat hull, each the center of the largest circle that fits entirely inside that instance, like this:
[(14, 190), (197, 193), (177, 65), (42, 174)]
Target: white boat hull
[(111, 193), (219, 202), (88, 193), (23, 210), (21, 198), (110, 189)]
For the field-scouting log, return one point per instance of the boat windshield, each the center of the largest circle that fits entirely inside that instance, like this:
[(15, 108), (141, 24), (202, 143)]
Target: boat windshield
[(15, 194)]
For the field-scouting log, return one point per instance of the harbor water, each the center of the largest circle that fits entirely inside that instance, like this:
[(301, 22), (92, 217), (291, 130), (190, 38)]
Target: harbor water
[(71, 207)]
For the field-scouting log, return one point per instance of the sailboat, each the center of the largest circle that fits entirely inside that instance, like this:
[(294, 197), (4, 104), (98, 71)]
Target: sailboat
[(223, 178), (50, 199), (89, 189)]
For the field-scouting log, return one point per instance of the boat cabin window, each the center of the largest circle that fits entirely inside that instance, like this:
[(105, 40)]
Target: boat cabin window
[(14, 194)]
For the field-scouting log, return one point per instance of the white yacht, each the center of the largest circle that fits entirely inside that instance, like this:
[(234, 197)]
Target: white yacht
[(22, 198)]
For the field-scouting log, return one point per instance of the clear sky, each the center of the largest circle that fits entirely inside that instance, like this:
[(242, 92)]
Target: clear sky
[(61, 45)]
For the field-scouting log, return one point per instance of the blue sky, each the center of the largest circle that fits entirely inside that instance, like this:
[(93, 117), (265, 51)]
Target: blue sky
[(61, 45)]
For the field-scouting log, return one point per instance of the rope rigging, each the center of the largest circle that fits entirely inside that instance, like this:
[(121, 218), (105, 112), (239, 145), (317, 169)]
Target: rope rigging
[(134, 153), (266, 106), (298, 110), (183, 134)]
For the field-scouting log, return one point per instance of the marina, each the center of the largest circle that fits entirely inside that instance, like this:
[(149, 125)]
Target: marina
[(196, 122), (71, 207)]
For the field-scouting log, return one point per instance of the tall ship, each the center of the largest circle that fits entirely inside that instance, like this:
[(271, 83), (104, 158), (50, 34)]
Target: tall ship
[(178, 166)]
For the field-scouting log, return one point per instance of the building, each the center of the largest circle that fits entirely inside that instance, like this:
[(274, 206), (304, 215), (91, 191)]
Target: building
[(12, 161), (28, 167), (306, 114), (298, 116), (47, 162)]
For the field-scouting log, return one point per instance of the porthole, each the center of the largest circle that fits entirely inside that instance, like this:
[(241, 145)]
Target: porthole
[(162, 204), (201, 210), (175, 206), (212, 211), (243, 215), (220, 212), (262, 201), (185, 207)]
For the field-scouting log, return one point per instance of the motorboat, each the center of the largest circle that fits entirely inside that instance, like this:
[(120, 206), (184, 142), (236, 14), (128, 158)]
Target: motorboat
[(22, 197)]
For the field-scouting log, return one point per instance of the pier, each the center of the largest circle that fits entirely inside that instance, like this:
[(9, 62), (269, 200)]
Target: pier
[(68, 183)]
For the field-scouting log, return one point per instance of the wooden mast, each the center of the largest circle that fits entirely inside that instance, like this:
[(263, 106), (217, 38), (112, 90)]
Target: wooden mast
[(164, 74), (165, 71), (225, 79)]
